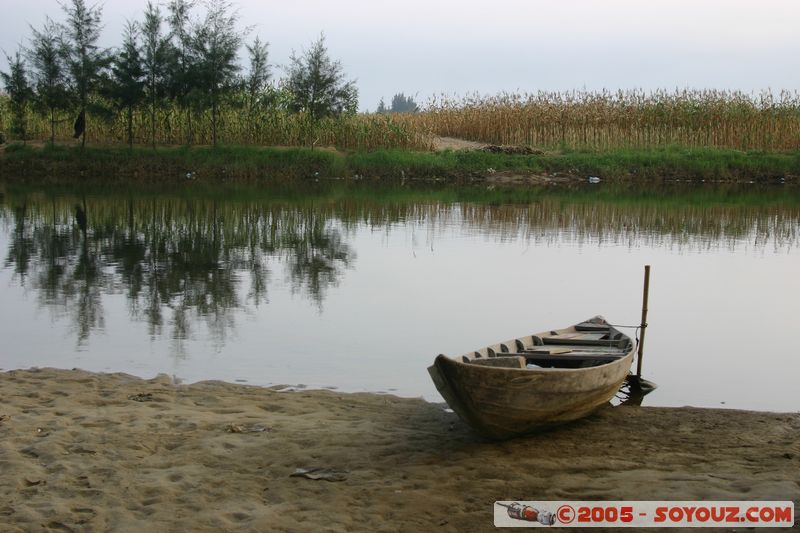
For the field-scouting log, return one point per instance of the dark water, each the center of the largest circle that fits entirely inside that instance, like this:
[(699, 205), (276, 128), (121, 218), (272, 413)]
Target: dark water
[(359, 289)]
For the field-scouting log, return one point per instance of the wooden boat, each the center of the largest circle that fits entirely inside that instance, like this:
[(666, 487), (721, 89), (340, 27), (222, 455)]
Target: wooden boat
[(537, 381)]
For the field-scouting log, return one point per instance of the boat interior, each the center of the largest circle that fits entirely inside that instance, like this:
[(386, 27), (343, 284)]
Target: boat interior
[(588, 344)]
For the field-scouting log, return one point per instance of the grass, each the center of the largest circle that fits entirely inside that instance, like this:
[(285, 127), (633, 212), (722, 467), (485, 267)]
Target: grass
[(252, 164), (678, 195), (702, 163)]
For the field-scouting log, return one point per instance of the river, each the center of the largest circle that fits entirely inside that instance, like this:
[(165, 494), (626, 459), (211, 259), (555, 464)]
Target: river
[(358, 288)]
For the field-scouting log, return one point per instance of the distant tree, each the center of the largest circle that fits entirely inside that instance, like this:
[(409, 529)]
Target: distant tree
[(127, 85), (403, 104), (256, 83), (49, 73), (156, 62), (86, 60), (260, 73), (20, 94), (181, 85), (215, 45), (318, 85), (382, 106)]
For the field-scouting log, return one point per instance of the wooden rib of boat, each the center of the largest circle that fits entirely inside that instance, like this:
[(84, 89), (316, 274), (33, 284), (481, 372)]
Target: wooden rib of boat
[(537, 381)]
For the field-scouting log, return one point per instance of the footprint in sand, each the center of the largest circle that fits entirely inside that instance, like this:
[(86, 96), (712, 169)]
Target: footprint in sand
[(238, 516), (175, 477)]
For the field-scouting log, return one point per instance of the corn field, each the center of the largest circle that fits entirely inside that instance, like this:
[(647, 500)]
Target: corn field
[(236, 126), (549, 120), (602, 120)]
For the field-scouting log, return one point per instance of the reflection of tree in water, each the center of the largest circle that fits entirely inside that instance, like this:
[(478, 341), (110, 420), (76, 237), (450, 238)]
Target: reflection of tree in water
[(61, 265), (313, 254), (177, 262), (182, 262)]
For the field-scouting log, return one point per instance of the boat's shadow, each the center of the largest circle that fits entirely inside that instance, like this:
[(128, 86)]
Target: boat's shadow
[(438, 428)]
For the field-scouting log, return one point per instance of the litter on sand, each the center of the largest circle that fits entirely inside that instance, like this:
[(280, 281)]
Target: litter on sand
[(327, 474), (240, 428), (142, 397)]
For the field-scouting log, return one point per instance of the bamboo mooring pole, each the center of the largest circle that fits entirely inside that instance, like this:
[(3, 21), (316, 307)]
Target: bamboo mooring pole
[(643, 325)]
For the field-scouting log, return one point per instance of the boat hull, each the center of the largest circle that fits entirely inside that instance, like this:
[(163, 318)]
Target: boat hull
[(501, 403)]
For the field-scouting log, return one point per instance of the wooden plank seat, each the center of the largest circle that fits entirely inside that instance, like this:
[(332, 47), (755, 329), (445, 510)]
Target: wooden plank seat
[(547, 350), (536, 359), (567, 348), (585, 339), (567, 356), (592, 326), (572, 359)]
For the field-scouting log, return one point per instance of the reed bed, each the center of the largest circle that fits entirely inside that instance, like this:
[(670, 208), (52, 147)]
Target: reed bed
[(630, 119)]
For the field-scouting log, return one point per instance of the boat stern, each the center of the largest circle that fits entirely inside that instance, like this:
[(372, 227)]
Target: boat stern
[(438, 373)]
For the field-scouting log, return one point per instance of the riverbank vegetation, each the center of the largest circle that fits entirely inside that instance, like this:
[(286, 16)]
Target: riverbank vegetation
[(600, 121), (110, 164)]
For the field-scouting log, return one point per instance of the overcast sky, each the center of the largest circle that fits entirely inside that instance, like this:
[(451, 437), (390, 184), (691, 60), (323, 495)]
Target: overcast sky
[(426, 47)]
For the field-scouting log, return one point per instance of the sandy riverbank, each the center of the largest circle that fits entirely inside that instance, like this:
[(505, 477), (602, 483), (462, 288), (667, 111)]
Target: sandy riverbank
[(95, 452)]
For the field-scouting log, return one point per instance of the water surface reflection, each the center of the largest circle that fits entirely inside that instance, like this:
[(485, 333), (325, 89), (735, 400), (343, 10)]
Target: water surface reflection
[(175, 261), (412, 274)]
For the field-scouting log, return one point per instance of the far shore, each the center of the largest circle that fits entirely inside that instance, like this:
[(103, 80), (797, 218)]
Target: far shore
[(83, 451), (454, 161)]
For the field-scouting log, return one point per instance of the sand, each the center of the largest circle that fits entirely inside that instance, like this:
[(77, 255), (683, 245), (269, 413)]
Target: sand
[(110, 452)]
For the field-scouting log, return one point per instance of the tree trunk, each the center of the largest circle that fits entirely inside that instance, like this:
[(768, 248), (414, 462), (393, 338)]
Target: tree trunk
[(52, 127), (85, 122), (153, 122), (312, 122), (130, 127), (213, 121), (190, 133)]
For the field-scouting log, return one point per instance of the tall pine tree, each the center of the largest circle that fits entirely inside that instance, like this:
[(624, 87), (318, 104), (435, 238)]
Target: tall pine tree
[(86, 59), (20, 94), (215, 46), (156, 62), (182, 90), (127, 77), (49, 72), (318, 86), (256, 84)]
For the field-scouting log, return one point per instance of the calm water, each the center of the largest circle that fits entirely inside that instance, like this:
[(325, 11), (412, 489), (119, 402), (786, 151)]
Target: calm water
[(359, 290)]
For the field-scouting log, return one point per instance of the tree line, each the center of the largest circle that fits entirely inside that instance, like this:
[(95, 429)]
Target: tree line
[(400, 104), (175, 56)]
